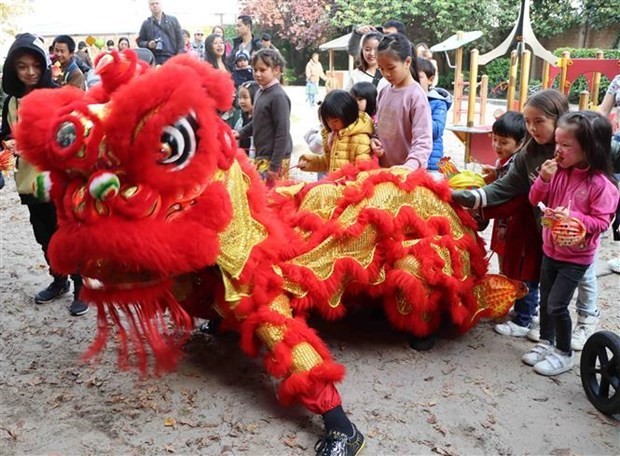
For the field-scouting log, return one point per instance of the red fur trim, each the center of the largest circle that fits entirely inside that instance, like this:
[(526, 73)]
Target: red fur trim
[(143, 327), (299, 384)]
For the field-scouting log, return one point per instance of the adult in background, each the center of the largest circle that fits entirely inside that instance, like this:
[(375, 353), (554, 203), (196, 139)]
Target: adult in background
[(161, 34), (123, 43), (390, 26), (218, 30), (215, 54), (245, 40), (70, 73), (265, 41), (27, 68), (314, 73), (198, 45), (368, 68), (84, 61)]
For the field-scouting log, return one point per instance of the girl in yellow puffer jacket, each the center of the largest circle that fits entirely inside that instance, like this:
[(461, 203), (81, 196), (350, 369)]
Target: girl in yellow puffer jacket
[(346, 134)]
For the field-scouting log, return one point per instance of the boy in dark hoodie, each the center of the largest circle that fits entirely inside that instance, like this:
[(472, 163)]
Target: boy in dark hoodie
[(440, 101), (27, 68)]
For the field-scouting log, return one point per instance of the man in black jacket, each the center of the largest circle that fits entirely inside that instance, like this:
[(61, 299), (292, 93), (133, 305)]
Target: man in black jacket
[(245, 40), (161, 34)]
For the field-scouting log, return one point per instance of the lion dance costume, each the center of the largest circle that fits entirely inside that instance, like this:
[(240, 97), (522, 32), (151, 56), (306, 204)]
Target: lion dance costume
[(167, 220)]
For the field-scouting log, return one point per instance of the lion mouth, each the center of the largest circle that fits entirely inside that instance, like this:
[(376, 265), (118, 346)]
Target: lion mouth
[(100, 285), (108, 277)]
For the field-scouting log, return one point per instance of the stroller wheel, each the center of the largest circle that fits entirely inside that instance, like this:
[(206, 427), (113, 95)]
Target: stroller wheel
[(600, 371)]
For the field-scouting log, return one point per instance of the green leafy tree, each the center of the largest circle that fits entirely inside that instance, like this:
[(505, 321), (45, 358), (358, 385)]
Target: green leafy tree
[(10, 10)]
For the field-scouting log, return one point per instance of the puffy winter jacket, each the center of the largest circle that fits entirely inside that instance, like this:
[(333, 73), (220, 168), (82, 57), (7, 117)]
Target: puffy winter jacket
[(349, 145), (440, 101)]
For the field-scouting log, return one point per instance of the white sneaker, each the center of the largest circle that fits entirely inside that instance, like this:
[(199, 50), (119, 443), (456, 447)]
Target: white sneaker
[(534, 333), (586, 326), (554, 363), (511, 329), (614, 265), (537, 353)]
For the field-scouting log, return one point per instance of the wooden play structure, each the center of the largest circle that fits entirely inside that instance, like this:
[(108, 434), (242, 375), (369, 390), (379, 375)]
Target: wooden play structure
[(476, 138), (338, 77)]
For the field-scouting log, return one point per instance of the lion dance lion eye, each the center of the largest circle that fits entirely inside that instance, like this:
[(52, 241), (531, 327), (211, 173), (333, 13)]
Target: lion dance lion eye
[(66, 134), (179, 142)]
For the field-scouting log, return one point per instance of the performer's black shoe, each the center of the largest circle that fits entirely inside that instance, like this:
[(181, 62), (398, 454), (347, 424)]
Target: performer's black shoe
[(337, 443), (422, 343)]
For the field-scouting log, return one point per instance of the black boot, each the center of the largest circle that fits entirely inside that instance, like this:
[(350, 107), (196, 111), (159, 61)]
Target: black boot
[(341, 436), (422, 343), (54, 290), (77, 307)]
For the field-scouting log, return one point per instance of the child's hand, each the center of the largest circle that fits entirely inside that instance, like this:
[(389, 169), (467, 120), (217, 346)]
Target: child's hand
[(489, 173), (560, 212), (548, 169), (302, 164), (376, 147), (9, 145)]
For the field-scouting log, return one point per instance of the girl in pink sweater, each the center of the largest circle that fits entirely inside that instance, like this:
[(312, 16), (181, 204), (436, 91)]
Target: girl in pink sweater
[(577, 183), (404, 123)]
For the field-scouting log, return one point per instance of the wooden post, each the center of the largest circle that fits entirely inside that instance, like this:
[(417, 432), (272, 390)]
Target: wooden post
[(526, 58), (564, 72), (473, 85), (458, 83), (512, 81), (484, 90), (584, 98), (596, 83), (545, 75), (331, 60)]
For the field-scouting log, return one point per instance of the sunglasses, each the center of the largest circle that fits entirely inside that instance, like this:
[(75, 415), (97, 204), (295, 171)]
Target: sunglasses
[(198, 34)]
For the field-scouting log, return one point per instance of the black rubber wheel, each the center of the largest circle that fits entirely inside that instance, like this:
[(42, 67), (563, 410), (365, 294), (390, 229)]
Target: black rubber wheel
[(600, 371)]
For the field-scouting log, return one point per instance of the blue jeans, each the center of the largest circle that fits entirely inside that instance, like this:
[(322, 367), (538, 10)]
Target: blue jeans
[(558, 281), (312, 90), (587, 293), (525, 308)]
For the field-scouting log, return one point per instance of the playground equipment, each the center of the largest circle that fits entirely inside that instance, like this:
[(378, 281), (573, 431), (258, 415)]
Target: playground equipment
[(477, 138), (568, 70)]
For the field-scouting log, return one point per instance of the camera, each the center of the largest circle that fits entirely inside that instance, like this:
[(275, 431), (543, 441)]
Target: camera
[(159, 45)]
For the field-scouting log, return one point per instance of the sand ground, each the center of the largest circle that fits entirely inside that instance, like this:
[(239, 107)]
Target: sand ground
[(466, 396)]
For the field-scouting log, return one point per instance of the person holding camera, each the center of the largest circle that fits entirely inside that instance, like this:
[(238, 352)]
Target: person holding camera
[(389, 26), (161, 34)]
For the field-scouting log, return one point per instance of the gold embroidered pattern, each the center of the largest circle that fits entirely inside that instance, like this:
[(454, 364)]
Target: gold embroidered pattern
[(270, 334), (281, 305), (444, 254), (305, 357), (409, 264), (322, 200), (233, 291), (334, 301), (243, 233), (402, 305), (322, 260)]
